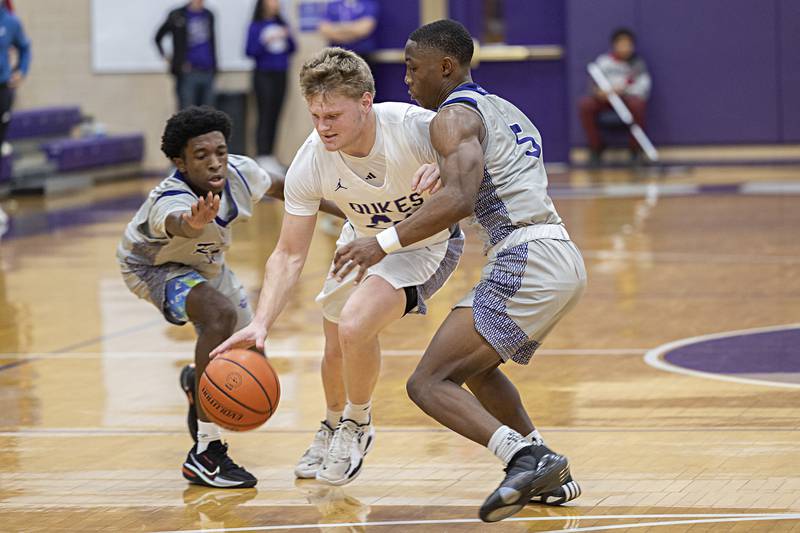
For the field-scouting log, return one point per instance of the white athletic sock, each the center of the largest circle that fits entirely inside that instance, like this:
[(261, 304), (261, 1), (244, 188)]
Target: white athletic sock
[(505, 443), (534, 437), (358, 412), (207, 432), (332, 418)]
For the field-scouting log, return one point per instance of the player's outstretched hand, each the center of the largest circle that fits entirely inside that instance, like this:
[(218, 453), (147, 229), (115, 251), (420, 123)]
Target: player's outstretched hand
[(361, 253), (426, 178), (251, 335), (203, 211)]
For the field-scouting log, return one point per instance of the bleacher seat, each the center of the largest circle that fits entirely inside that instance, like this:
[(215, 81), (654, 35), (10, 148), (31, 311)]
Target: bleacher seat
[(90, 152), (43, 122)]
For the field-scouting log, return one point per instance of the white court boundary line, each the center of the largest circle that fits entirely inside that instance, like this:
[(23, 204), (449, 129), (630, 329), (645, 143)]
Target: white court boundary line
[(697, 519), (655, 357), (681, 522), (291, 354), (80, 432)]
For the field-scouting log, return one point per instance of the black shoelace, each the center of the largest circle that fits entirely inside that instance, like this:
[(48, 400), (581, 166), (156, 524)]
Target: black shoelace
[(219, 454)]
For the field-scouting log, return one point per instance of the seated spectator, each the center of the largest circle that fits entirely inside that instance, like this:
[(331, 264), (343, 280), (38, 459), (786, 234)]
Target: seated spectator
[(628, 75)]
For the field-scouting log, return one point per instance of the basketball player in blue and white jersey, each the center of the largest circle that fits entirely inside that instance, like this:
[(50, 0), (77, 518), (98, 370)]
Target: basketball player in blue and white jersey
[(364, 158), (172, 254), (491, 169)]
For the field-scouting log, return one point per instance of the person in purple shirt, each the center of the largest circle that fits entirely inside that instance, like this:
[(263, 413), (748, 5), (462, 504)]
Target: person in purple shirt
[(270, 44), (351, 24), (194, 56)]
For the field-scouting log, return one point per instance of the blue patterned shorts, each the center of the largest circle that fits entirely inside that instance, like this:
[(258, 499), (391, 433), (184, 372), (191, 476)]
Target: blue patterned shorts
[(176, 291)]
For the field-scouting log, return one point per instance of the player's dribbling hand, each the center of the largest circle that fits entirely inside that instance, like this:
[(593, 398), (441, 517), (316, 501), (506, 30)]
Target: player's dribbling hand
[(361, 253), (426, 178), (250, 335), (203, 211)]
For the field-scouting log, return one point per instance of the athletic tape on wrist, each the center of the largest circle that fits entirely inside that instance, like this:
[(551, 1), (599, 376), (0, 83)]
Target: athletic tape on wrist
[(388, 240)]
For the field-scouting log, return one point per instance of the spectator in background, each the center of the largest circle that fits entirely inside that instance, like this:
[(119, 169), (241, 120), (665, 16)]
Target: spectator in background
[(12, 35), (628, 75), (194, 53), (270, 44), (351, 24)]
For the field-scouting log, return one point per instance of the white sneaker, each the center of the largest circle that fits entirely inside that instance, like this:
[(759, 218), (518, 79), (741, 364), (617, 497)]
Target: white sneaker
[(351, 442), (310, 462)]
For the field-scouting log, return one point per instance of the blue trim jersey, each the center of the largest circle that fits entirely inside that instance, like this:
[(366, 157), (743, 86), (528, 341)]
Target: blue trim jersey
[(512, 205), (147, 243)]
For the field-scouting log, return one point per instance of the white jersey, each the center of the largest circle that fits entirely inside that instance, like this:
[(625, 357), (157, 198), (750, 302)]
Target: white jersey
[(512, 205), (147, 243), (402, 145)]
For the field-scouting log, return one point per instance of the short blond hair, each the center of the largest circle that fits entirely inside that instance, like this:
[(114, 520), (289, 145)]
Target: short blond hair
[(338, 70)]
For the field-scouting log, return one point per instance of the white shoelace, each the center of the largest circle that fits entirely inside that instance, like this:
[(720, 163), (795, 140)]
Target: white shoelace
[(343, 440)]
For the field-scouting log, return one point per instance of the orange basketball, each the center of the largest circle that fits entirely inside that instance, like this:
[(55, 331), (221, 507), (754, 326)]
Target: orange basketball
[(239, 390)]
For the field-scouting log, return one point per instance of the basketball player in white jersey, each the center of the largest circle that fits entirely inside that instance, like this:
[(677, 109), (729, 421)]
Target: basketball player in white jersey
[(491, 169), (172, 254), (363, 157)]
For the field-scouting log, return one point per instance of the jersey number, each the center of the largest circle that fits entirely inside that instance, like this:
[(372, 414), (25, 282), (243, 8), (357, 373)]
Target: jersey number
[(535, 150), (377, 220)]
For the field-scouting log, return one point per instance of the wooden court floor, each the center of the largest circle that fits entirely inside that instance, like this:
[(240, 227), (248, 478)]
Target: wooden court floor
[(698, 435)]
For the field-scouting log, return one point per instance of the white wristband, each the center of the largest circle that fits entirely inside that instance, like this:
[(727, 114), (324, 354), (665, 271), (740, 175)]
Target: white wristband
[(388, 240)]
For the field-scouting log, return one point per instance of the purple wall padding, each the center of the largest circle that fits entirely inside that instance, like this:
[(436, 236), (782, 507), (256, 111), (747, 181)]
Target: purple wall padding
[(469, 13), (389, 84), (534, 21), (789, 65), (92, 152), (715, 70), (397, 19), (43, 122)]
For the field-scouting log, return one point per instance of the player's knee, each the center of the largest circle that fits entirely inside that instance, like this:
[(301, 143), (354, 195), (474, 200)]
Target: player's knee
[(349, 331), (221, 320), (418, 388)]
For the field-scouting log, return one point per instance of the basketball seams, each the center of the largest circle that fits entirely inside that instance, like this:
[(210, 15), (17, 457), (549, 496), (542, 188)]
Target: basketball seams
[(232, 398), (266, 395), (277, 385)]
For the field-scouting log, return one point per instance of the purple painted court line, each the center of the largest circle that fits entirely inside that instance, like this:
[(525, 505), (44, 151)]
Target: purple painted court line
[(41, 222), (764, 353)]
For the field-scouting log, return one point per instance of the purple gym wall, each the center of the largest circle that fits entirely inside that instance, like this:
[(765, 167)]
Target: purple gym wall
[(789, 64), (395, 21), (724, 71), (715, 66), (536, 87)]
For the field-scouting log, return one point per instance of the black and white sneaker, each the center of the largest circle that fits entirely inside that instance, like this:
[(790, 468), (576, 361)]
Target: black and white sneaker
[(526, 477), (187, 384), (563, 494), (214, 468)]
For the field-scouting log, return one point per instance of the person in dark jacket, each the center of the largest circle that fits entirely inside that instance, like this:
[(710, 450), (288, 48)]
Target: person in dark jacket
[(194, 55), (270, 44)]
